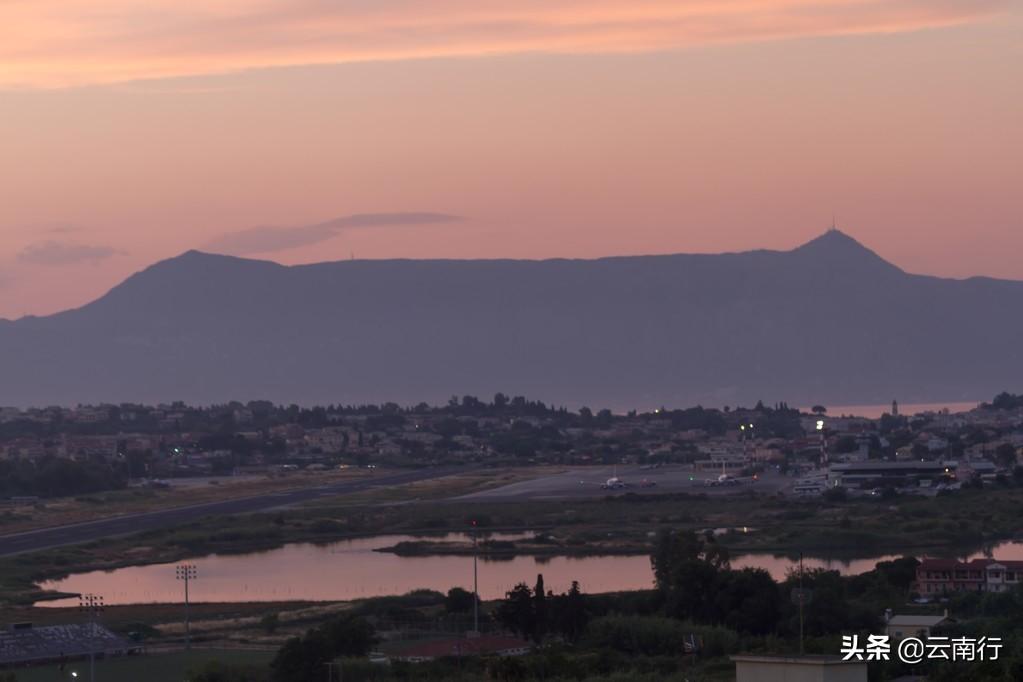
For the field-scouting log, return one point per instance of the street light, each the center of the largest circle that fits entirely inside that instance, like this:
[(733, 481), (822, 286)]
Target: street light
[(186, 573), (92, 605)]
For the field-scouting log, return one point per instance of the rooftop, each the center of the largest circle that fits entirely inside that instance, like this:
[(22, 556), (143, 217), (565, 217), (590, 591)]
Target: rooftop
[(912, 620), (809, 659)]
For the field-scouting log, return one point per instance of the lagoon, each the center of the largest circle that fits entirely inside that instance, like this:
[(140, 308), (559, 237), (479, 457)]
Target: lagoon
[(352, 569)]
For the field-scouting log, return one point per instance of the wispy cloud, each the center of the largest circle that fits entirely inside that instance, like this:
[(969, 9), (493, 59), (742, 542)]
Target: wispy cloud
[(53, 43), (270, 239), (60, 253), (62, 229)]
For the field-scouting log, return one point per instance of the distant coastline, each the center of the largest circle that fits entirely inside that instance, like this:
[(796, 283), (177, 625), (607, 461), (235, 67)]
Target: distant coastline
[(908, 409)]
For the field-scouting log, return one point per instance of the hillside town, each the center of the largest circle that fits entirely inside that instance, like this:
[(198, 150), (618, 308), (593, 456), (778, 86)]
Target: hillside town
[(117, 445)]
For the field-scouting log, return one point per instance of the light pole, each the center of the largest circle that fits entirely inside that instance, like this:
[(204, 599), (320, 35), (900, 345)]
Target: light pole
[(186, 573), (92, 605), (747, 436), (802, 600), (824, 446), (475, 584)]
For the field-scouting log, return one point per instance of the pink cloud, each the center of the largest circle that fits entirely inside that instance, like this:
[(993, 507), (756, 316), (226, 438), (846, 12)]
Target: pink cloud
[(51, 43)]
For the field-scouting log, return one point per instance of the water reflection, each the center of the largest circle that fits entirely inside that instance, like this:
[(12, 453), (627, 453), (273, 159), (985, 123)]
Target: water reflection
[(351, 570)]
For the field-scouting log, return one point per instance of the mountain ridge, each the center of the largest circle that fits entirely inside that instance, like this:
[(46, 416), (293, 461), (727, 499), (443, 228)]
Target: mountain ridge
[(830, 239), (827, 321)]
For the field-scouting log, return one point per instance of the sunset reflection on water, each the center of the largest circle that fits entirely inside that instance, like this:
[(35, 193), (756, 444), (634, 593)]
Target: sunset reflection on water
[(352, 570)]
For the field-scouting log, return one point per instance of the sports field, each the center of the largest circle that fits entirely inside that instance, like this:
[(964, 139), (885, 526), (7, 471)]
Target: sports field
[(150, 667)]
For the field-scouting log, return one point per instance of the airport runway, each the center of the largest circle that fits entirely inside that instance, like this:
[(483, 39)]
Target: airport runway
[(60, 536), (586, 482)]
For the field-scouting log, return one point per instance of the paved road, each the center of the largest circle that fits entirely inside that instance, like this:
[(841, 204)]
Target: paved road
[(59, 536)]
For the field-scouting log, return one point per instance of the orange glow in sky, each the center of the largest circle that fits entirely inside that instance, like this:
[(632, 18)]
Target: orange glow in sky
[(130, 132)]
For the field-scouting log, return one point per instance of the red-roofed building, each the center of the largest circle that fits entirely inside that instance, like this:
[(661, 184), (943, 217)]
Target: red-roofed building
[(940, 576)]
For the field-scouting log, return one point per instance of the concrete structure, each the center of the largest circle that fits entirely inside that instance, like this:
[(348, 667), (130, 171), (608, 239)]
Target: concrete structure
[(896, 474), (902, 626), (798, 669)]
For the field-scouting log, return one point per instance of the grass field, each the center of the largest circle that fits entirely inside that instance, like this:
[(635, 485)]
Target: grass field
[(147, 668), (65, 510)]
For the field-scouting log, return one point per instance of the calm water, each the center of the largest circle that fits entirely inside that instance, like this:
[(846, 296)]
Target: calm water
[(352, 570)]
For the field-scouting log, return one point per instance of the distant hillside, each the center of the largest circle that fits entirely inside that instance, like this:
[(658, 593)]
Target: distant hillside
[(829, 321)]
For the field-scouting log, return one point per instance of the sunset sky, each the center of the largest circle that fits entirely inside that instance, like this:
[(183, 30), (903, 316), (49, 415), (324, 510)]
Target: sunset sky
[(307, 130)]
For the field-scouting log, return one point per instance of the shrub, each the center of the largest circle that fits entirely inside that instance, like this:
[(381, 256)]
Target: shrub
[(657, 636)]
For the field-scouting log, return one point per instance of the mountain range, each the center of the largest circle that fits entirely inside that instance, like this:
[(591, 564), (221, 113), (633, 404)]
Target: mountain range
[(829, 321)]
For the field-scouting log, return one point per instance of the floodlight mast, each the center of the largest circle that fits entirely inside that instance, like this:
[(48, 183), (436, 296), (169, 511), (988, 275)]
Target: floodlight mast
[(92, 605), (186, 573), (823, 442)]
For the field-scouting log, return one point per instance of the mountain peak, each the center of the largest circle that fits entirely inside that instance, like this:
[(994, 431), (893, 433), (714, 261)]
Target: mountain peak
[(833, 238), (195, 261), (837, 248)]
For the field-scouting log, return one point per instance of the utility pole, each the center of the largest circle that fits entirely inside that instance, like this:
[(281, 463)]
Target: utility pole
[(475, 583), (187, 573), (802, 600), (92, 605)]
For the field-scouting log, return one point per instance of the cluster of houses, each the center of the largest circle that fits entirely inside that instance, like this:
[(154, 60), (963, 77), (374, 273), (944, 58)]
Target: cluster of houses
[(943, 576), (176, 439)]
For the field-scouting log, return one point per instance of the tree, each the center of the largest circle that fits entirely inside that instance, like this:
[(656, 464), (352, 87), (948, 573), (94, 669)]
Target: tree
[(899, 573), (1005, 455), (458, 600), (748, 601), (300, 658), (1007, 401), (516, 612), (570, 615), (539, 610), (303, 658), (686, 569), (829, 611), (819, 409)]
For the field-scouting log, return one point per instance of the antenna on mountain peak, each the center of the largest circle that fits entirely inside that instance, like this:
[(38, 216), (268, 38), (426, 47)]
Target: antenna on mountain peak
[(833, 228)]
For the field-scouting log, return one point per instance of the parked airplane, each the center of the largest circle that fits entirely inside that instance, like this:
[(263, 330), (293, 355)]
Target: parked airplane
[(727, 479), (613, 483)]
